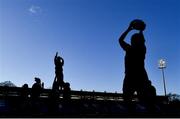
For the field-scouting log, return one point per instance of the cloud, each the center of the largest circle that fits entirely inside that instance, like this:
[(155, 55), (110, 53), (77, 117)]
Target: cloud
[(35, 10)]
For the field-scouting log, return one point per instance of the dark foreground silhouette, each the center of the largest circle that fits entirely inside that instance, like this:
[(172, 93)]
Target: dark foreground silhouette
[(136, 78), (80, 104)]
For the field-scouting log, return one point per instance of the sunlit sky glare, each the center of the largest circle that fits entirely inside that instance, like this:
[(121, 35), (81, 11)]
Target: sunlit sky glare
[(85, 33)]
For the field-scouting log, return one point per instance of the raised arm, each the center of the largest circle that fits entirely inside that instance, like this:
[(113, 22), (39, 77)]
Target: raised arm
[(122, 43), (55, 57)]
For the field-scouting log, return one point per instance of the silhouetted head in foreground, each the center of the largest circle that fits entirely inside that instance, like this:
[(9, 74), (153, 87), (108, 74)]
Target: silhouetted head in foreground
[(67, 84), (25, 86), (38, 80), (59, 58)]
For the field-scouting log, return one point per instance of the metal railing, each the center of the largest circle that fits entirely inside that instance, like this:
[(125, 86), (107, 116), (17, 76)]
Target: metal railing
[(16, 91)]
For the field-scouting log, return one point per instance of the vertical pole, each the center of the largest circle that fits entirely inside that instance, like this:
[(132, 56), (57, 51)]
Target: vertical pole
[(164, 81)]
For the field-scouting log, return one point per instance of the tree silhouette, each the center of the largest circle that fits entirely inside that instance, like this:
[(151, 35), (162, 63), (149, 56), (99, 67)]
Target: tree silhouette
[(8, 84)]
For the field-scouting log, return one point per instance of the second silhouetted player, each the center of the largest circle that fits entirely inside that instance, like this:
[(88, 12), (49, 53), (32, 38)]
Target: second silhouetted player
[(58, 80)]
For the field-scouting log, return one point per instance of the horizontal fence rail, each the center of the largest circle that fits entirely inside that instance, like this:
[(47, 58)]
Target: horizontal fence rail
[(16, 91)]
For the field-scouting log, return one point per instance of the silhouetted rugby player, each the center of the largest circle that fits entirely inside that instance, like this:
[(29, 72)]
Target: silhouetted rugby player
[(135, 73), (58, 80), (36, 89)]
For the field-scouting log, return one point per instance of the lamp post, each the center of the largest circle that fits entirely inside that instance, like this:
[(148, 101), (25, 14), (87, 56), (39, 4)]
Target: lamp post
[(162, 65)]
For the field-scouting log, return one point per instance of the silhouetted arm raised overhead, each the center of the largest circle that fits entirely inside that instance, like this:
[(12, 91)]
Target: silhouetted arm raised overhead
[(122, 43), (55, 57)]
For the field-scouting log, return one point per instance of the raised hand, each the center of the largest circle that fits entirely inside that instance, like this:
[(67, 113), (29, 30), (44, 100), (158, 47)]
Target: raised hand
[(56, 54), (130, 26)]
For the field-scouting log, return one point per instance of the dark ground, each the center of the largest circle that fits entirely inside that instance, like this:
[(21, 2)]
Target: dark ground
[(82, 104)]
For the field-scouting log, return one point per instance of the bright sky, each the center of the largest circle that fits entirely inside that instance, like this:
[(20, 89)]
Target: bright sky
[(85, 33)]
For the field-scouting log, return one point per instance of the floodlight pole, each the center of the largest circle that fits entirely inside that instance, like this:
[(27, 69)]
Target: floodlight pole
[(164, 81), (162, 65)]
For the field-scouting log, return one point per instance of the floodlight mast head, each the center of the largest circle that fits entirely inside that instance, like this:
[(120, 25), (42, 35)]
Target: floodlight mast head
[(161, 64)]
